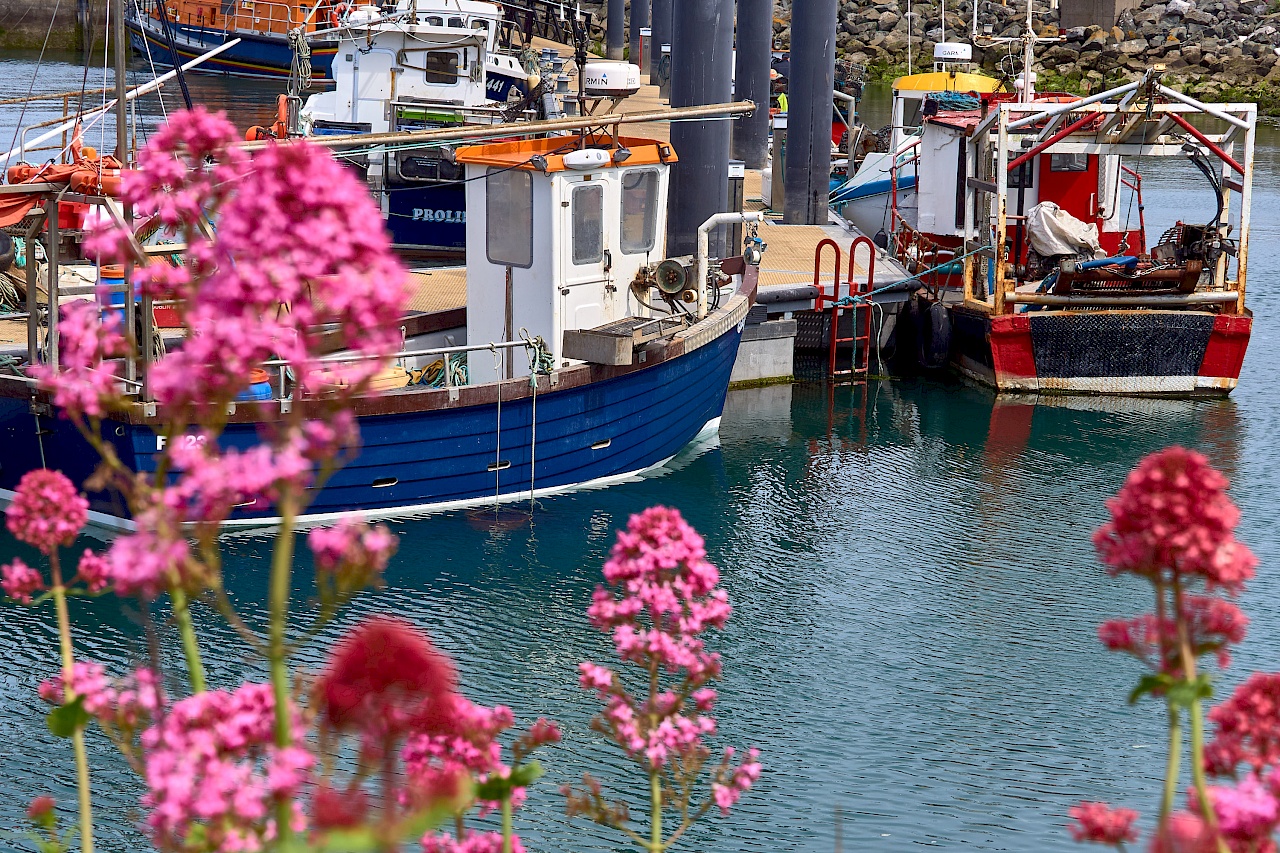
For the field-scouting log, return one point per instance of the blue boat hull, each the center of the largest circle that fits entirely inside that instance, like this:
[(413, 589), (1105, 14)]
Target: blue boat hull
[(588, 433), (429, 218), (255, 56)]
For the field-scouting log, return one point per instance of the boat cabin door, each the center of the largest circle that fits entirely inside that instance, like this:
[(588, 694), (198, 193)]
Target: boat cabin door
[(588, 297)]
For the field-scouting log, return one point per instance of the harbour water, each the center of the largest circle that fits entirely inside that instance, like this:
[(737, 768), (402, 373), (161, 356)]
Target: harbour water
[(915, 595)]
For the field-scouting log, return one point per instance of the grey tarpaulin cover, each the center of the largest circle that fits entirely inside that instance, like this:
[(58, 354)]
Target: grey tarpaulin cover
[(1053, 231)]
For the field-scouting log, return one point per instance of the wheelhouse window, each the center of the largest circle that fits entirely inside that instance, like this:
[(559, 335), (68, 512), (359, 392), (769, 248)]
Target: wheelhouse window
[(1068, 162), (509, 217), (441, 67), (587, 213), (1022, 176), (457, 23), (639, 210)]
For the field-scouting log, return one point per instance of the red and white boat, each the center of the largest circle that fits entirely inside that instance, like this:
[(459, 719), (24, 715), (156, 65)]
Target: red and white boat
[(1026, 219)]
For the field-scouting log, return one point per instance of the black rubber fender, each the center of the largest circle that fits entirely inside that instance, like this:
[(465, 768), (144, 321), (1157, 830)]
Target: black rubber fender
[(935, 340)]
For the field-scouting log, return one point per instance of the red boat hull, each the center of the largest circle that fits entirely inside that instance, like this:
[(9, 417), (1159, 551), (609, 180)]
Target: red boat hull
[(1143, 353)]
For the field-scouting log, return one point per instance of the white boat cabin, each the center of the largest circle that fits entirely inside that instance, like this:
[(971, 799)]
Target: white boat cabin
[(557, 230), (1086, 185), (390, 64)]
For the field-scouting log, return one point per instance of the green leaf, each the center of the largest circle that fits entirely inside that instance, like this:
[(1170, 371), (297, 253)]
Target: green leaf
[(1184, 693), (1150, 683), (526, 774), (65, 719), (496, 788)]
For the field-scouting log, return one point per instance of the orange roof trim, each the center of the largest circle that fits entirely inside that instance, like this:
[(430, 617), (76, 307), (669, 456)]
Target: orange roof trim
[(517, 153)]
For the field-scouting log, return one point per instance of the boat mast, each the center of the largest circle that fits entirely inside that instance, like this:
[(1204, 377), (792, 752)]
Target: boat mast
[(1028, 58), (122, 105)]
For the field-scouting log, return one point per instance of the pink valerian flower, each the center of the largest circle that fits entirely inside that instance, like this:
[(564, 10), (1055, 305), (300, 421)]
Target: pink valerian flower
[(668, 597), (1100, 823), (86, 382), (211, 762), (385, 680), (41, 807), (472, 842), (1173, 513), (1247, 813), (1212, 625), (332, 809), (126, 704), (352, 552), (20, 581), (731, 782), (94, 571), (153, 558), (295, 229), (47, 510), (472, 749), (1183, 832), (212, 481), (1248, 727), (541, 733)]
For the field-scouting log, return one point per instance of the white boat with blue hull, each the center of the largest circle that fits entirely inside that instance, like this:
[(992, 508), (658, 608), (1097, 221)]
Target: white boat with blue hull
[(598, 366)]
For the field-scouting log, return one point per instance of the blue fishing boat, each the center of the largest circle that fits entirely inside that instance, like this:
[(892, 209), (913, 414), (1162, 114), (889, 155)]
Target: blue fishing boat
[(568, 352), (178, 30)]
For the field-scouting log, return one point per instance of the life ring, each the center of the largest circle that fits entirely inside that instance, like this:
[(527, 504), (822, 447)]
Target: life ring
[(281, 127)]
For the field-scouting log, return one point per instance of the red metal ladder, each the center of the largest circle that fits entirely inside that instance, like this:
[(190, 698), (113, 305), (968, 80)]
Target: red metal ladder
[(860, 357)]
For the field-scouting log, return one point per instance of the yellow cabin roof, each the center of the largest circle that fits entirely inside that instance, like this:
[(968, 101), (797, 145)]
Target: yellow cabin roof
[(945, 81)]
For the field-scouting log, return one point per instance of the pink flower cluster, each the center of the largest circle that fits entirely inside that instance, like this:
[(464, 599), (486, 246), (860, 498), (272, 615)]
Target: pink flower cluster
[(1173, 514), (1212, 625), (471, 748), (1099, 823), (733, 782), (668, 598), (85, 383), (1247, 814), (351, 551), (148, 561), (47, 510), (384, 681), (1248, 727), (214, 773), (20, 581), (125, 705), (299, 245)]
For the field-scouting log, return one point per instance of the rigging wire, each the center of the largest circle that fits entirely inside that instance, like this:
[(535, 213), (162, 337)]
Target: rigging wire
[(17, 128)]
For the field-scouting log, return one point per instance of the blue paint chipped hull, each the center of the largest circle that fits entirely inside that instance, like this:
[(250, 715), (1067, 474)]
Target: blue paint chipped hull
[(255, 56), (593, 433)]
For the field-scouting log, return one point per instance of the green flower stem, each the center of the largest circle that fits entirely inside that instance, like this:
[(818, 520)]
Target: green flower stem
[(655, 804), (1171, 768), (77, 738), (506, 824), (277, 652), (190, 646)]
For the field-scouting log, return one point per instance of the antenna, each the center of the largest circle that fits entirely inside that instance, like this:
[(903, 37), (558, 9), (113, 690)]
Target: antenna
[(910, 27), (944, 21)]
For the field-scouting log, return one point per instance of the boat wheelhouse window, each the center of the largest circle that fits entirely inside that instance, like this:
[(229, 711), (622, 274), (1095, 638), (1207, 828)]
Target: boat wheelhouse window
[(1022, 177), (639, 210), (480, 24), (457, 23), (434, 21), (441, 67), (587, 213), (509, 217), (1068, 162)]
